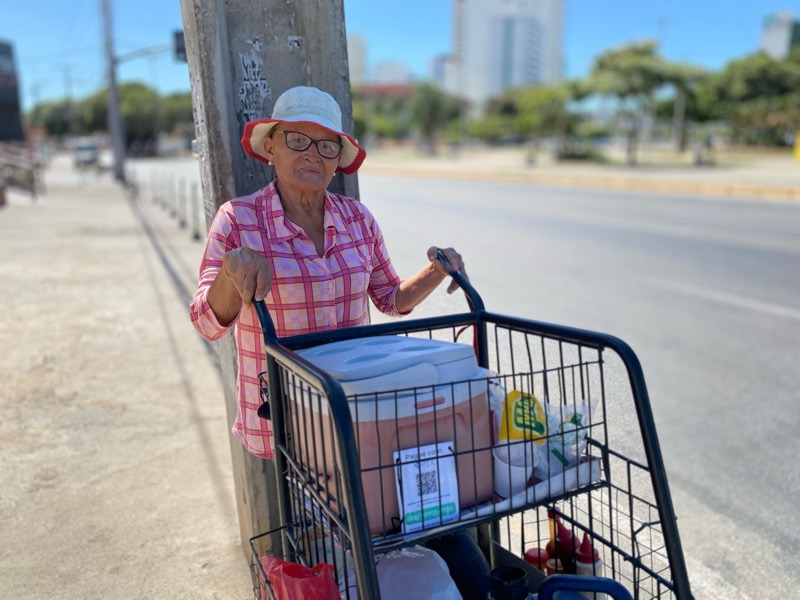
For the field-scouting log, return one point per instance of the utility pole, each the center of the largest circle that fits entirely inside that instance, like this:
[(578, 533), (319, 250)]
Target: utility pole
[(116, 127), (68, 96), (242, 55), (156, 107)]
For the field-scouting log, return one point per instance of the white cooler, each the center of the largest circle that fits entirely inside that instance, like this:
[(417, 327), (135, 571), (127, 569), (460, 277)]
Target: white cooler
[(405, 393)]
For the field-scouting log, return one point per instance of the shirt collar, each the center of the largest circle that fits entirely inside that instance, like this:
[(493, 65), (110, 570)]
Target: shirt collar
[(333, 214), (278, 227), (281, 229)]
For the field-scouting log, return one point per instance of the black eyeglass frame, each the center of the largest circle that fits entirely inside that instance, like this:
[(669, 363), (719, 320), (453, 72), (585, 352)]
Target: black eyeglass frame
[(312, 141)]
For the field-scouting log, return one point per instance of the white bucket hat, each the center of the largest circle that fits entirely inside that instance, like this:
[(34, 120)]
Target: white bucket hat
[(305, 105)]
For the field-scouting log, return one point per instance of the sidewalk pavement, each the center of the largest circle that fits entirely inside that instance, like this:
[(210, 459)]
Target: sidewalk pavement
[(114, 451), (757, 175)]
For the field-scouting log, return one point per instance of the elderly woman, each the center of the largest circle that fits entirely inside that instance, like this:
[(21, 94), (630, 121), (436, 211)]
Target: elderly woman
[(314, 256)]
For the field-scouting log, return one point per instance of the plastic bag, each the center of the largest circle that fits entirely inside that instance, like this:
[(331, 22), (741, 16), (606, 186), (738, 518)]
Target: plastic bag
[(568, 431), (415, 572), (293, 581)]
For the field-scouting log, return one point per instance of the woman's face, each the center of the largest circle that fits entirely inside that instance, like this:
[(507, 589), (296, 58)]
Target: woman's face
[(303, 171)]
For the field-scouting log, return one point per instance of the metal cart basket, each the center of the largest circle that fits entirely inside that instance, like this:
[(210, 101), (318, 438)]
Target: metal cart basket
[(615, 490)]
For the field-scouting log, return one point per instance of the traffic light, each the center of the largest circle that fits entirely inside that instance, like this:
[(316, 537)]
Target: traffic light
[(180, 45)]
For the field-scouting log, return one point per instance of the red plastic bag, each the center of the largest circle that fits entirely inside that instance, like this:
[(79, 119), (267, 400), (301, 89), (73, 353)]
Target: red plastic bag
[(292, 581)]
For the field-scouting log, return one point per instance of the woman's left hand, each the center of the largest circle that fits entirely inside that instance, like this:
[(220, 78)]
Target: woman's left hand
[(456, 263)]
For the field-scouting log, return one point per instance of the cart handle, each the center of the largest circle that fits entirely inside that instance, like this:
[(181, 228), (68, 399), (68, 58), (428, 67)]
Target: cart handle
[(473, 298), (266, 320)]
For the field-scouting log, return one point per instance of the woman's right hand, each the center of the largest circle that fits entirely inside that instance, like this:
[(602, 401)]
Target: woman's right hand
[(249, 272)]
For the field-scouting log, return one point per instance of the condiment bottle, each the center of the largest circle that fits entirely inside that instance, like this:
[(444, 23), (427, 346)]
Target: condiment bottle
[(561, 544), (565, 547), (554, 566), (552, 519), (537, 558), (589, 563)]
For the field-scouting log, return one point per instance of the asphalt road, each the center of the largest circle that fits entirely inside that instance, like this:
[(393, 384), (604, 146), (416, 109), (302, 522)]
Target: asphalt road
[(705, 290)]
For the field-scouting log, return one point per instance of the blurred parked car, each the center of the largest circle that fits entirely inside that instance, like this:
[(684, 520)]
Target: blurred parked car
[(86, 153)]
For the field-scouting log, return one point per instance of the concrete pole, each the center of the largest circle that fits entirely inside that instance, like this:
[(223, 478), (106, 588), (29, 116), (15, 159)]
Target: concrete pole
[(116, 127), (242, 55)]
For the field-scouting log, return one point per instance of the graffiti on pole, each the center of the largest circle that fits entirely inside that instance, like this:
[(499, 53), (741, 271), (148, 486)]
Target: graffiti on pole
[(254, 90)]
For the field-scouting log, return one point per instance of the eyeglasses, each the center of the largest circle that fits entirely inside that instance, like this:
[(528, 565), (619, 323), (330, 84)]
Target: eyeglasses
[(300, 142)]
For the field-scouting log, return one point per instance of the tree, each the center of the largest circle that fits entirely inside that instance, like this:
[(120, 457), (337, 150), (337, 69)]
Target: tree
[(431, 111), (381, 116), (143, 112), (769, 121), (138, 108), (56, 118), (632, 74), (543, 111), (359, 114), (92, 113), (750, 91), (492, 128), (176, 112), (686, 80), (759, 75)]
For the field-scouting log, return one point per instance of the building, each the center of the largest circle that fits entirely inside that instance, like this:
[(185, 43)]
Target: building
[(504, 44), (779, 34), (10, 111), (357, 59), (390, 71), (515, 52), (382, 73)]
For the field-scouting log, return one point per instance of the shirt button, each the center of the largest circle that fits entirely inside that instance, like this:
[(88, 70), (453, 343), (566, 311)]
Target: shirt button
[(330, 285)]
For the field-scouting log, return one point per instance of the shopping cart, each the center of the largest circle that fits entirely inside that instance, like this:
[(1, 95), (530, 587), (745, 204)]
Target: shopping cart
[(614, 491)]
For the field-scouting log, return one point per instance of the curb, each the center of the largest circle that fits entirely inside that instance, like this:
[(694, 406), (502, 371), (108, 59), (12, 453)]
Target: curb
[(615, 183)]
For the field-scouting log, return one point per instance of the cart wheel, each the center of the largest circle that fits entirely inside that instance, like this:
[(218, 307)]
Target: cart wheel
[(581, 583)]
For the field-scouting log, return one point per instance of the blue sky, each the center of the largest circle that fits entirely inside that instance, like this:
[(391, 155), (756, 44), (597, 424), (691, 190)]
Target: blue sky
[(59, 47)]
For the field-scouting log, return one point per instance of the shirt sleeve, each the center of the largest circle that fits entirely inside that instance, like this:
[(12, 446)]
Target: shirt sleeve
[(384, 280), (221, 238)]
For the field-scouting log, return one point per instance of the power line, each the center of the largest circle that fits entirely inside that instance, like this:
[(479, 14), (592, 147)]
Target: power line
[(83, 14)]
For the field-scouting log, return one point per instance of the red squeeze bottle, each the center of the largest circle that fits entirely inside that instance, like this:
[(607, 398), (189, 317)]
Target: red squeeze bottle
[(537, 557), (565, 548), (586, 556), (589, 563)]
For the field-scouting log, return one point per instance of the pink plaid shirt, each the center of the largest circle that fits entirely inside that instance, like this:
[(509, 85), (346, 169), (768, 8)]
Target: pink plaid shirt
[(309, 293)]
